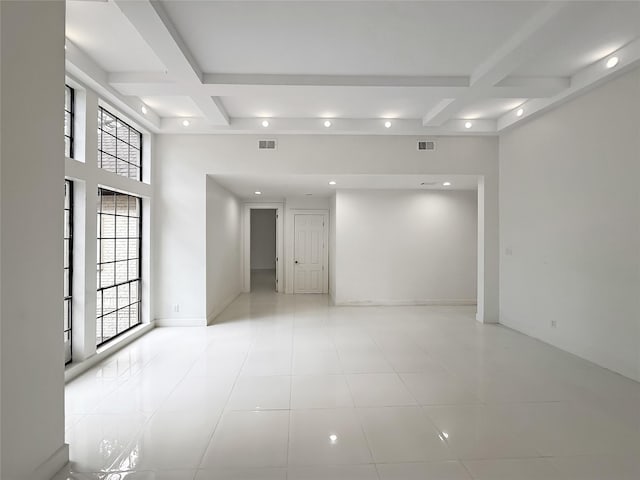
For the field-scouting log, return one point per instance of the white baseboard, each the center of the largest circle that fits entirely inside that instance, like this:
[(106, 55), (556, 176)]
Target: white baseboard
[(52, 465), (221, 308), (76, 369), (400, 303), (181, 322)]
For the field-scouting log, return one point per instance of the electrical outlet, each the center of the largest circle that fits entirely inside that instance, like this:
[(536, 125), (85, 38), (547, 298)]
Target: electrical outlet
[(176, 307), (554, 324)]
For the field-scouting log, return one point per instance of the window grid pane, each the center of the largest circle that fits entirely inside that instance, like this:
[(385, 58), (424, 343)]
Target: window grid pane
[(117, 308), (68, 268), (69, 107), (119, 146)]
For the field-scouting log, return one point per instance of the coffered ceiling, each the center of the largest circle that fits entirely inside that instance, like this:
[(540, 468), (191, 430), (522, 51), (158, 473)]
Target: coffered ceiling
[(427, 68)]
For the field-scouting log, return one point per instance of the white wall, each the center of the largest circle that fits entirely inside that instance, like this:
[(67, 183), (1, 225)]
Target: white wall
[(31, 202), (406, 247), (570, 226), (182, 162), (332, 247), (223, 248), (263, 239)]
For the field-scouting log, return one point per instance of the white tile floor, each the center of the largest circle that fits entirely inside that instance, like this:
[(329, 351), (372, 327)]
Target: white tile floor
[(287, 387)]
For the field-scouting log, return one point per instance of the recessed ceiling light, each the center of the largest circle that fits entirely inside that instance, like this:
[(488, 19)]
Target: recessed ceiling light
[(468, 125), (387, 124), (327, 123), (332, 182), (186, 123), (519, 112), (612, 62), (265, 123), (258, 193), (446, 184), (144, 109), (333, 438)]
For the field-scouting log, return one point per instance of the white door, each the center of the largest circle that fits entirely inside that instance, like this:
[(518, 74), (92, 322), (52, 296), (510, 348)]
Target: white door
[(308, 253)]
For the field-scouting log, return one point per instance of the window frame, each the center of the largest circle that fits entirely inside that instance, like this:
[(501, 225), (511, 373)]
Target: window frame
[(101, 132), (99, 288), (72, 120), (68, 299)]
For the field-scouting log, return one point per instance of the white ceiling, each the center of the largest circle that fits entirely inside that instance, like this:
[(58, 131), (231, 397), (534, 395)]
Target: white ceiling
[(431, 64), (172, 106), (277, 187), (591, 31), (490, 107), (101, 30), (345, 38)]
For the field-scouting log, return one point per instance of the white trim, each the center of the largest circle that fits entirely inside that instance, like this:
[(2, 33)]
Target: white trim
[(246, 240), (181, 322), (76, 369), (52, 465), (221, 308), (291, 235), (432, 303)]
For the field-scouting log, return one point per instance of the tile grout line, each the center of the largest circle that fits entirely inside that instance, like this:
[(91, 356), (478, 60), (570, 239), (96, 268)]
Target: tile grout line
[(224, 408), (293, 324), (362, 431)]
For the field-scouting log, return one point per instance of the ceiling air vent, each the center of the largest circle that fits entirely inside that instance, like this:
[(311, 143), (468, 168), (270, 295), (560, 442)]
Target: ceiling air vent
[(426, 145), (266, 144)]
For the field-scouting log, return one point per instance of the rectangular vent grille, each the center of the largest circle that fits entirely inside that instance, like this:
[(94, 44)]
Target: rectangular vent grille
[(424, 145), (266, 144)]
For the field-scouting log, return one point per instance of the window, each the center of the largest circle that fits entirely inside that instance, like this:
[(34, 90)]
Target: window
[(69, 105), (68, 267), (119, 261), (119, 146)]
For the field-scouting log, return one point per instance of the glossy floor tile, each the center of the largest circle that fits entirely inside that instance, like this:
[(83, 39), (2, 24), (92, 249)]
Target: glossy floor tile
[(288, 387), (327, 437)]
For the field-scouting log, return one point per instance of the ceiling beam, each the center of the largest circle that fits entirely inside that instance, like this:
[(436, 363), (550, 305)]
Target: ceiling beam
[(155, 27), (528, 87), (339, 126), (337, 80), (162, 84), (531, 39)]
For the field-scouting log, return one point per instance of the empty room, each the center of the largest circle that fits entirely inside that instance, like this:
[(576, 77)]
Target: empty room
[(319, 240)]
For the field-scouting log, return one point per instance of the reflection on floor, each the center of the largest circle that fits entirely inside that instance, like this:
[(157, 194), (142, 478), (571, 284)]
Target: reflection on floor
[(289, 387), (263, 281)]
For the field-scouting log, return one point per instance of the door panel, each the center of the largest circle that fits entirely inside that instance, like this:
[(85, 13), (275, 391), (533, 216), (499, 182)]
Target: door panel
[(308, 253)]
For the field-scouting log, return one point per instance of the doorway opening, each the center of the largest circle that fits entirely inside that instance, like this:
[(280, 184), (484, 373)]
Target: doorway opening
[(263, 250), (263, 247)]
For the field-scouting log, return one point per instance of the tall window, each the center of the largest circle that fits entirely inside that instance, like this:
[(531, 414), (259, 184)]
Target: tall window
[(119, 146), (119, 261), (69, 100), (68, 267)]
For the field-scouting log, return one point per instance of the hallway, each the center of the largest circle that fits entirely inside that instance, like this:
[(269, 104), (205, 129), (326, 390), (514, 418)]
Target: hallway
[(289, 387), (263, 281)]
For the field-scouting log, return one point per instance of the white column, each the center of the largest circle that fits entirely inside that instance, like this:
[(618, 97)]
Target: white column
[(31, 213), (487, 310), (90, 226)]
